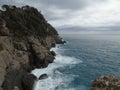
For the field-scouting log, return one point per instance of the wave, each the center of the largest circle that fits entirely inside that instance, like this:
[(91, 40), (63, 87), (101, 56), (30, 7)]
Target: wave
[(55, 77)]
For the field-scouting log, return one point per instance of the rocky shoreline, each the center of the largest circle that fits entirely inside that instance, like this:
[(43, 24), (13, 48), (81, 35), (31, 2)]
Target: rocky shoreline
[(108, 82), (25, 42)]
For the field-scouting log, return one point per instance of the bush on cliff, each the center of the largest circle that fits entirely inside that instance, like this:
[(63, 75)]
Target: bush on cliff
[(26, 21)]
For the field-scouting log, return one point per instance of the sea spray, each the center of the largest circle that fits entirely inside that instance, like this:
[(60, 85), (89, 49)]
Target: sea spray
[(55, 78)]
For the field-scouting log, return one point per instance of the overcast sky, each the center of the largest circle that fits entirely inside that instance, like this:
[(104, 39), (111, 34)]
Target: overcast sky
[(66, 14)]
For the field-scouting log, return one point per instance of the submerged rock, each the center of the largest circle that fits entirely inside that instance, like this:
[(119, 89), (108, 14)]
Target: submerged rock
[(43, 76), (106, 83)]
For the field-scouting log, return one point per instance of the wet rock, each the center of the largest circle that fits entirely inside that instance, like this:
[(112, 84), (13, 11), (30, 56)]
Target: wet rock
[(53, 53), (43, 76), (106, 83), (28, 81)]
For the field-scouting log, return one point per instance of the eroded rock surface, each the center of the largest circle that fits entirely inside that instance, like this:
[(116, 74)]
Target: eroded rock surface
[(106, 83), (25, 42)]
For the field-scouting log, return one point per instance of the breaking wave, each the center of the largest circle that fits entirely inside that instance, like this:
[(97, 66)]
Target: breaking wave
[(56, 79)]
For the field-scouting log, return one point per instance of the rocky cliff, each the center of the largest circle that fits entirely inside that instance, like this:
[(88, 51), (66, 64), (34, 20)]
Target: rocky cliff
[(25, 42)]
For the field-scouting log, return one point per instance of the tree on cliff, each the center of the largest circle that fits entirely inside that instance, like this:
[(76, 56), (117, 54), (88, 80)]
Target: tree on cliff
[(26, 20)]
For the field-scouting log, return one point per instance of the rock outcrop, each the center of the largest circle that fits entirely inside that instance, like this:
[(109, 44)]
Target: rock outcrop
[(106, 83), (43, 76), (53, 53), (25, 42), (28, 81)]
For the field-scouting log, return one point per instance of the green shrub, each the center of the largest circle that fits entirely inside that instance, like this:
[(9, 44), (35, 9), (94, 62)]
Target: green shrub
[(26, 21)]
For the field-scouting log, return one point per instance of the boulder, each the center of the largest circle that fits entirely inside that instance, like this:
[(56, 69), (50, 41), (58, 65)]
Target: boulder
[(28, 81), (106, 83), (43, 76), (53, 53)]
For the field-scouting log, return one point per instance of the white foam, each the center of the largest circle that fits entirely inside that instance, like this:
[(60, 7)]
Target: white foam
[(55, 78)]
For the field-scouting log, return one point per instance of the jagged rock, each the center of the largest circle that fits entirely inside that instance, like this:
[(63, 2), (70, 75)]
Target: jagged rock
[(28, 81), (20, 46), (43, 76), (106, 83), (53, 53), (37, 56), (49, 58), (40, 56), (22, 31)]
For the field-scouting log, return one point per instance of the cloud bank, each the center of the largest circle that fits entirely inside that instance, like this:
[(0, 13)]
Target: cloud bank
[(76, 13)]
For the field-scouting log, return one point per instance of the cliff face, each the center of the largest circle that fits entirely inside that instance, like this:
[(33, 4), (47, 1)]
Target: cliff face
[(25, 40)]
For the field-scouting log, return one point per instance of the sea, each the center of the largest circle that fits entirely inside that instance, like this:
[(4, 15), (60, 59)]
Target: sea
[(80, 61)]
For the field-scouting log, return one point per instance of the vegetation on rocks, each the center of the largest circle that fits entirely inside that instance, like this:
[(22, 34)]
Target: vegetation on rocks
[(26, 38), (106, 83), (25, 21)]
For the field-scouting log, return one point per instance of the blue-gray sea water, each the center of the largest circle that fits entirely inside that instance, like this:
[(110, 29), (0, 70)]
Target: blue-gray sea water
[(82, 59)]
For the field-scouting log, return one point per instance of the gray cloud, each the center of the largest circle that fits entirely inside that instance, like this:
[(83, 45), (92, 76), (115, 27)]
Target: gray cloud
[(45, 4), (76, 13), (64, 4)]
